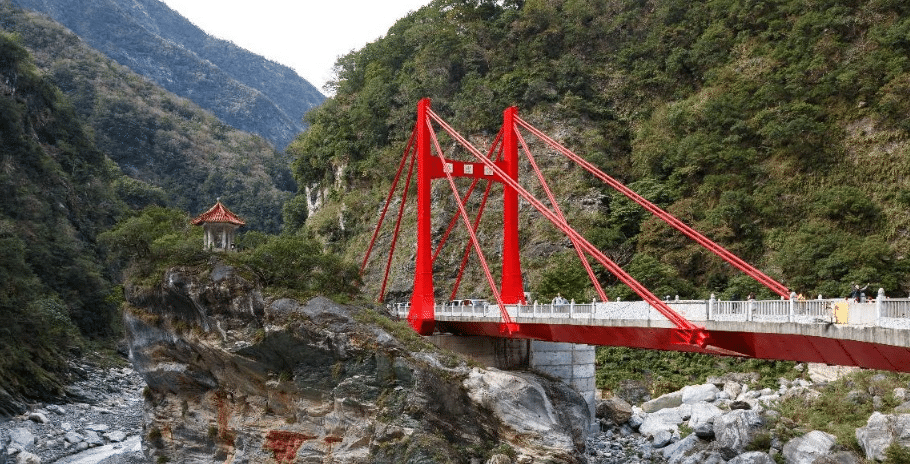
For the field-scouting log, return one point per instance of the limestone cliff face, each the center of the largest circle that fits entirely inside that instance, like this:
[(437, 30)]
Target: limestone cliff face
[(235, 376)]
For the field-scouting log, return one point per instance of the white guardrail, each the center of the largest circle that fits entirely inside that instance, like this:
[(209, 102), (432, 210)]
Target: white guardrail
[(880, 312)]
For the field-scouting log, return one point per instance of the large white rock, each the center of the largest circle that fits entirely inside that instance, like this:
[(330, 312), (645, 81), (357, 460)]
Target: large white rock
[(698, 393), (665, 419), (703, 413), (734, 431), (523, 406), (880, 431), (676, 452), (21, 438), (752, 457), (809, 447), (733, 389), (27, 458), (705, 457), (669, 400)]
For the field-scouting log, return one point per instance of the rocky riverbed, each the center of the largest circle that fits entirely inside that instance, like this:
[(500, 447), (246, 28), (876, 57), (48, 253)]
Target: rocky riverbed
[(102, 423), (716, 422)]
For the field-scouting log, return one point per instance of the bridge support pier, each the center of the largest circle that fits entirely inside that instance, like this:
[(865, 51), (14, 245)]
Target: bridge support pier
[(572, 363)]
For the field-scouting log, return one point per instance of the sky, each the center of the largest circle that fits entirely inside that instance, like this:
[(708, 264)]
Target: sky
[(307, 36)]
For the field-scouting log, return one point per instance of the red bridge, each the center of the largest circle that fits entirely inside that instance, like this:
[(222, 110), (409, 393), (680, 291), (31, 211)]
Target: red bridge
[(827, 331)]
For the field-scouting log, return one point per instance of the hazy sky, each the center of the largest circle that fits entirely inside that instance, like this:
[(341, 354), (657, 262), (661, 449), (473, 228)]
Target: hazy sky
[(306, 35)]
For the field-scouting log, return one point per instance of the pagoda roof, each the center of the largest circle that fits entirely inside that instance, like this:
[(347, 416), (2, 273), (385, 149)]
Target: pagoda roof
[(218, 213)]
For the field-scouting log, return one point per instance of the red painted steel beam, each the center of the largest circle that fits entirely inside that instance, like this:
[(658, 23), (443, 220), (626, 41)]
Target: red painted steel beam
[(720, 251), (686, 332), (790, 347), (512, 288), (556, 209), (507, 325), (421, 316)]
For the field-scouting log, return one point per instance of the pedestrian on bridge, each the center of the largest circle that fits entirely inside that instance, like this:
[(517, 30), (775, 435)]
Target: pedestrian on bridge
[(856, 292), (559, 300)]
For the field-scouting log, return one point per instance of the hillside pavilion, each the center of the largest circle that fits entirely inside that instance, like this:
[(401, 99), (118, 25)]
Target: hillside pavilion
[(219, 224)]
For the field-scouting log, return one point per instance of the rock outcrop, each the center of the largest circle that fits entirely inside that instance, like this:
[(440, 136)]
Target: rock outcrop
[(881, 431), (234, 376)]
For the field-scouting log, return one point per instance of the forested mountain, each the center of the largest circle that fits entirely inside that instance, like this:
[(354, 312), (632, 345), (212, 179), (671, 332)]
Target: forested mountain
[(68, 117), (241, 88), (777, 128), (178, 154), (56, 195)]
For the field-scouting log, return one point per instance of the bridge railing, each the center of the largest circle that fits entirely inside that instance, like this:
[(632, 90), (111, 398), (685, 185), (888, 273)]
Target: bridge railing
[(882, 312)]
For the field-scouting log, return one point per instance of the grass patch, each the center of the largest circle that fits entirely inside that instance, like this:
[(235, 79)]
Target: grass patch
[(842, 406), (397, 329), (665, 371)]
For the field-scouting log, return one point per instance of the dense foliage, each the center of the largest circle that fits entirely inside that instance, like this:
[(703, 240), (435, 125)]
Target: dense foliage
[(776, 128), (56, 196), (175, 153), (156, 238)]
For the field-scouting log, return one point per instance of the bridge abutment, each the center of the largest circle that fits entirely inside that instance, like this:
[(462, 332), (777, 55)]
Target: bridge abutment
[(572, 363), (501, 353)]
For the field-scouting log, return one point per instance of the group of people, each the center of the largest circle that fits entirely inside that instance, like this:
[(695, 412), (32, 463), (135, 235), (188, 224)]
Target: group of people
[(856, 294), (559, 300)]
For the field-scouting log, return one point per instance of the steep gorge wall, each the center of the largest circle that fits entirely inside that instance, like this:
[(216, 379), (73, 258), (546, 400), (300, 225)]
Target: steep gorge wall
[(235, 375)]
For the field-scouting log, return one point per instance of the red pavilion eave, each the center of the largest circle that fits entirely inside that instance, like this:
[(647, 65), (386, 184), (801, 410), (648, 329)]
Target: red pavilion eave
[(218, 213)]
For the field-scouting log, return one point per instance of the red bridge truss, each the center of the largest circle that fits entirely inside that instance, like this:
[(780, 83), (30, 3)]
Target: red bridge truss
[(424, 151)]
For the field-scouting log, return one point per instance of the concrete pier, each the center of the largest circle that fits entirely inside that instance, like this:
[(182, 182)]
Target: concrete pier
[(573, 363), (570, 362)]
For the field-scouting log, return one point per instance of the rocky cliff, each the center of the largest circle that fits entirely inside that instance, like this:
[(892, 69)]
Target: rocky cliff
[(237, 376)]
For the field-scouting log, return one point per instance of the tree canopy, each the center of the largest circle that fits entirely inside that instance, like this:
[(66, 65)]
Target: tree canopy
[(776, 128)]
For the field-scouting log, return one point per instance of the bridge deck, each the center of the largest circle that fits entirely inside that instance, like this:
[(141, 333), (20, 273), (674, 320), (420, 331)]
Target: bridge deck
[(871, 335)]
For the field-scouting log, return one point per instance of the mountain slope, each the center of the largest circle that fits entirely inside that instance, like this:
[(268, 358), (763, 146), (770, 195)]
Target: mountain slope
[(778, 129), (56, 195), (244, 90), (180, 155)]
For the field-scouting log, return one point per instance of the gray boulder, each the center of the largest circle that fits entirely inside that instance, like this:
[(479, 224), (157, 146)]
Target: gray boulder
[(752, 457), (841, 457), (635, 421), (704, 457), (703, 413), (676, 452), (880, 431), (670, 400), (903, 407), (27, 458), (661, 438), (614, 410), (20, 438), (704, 431), (665, 419), (115, 436), (809, 447), (699, 393), (92, 438), (733, 389), (38, 417), (735, 430)]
